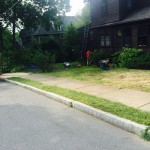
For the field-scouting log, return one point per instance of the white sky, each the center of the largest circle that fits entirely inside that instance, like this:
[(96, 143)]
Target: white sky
[(76, 7)]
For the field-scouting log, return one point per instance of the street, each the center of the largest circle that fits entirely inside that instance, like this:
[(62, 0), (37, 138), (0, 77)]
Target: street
[(29, 121)]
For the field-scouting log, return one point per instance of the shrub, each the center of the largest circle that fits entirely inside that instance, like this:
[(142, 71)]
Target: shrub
[(6, 63), (127, 57), (44, 60), (142, 61), (17, 68), (146, 134), (98, 55)]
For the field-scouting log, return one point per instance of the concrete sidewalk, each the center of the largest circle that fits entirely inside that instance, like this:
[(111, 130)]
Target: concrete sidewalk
[(130, 97)]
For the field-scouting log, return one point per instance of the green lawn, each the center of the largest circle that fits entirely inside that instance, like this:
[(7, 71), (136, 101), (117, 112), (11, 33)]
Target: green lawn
[(120, 78), (99, 103)]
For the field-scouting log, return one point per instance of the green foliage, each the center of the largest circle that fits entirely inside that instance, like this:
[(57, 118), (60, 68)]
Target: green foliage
[(126, 57), (83, 18), (71, 44), (132, 58), (30, 14), (142, 61), (146, 134), (6, 63), (98, 55), (44, 60), (51, 45), (7, 37), (17, 68)]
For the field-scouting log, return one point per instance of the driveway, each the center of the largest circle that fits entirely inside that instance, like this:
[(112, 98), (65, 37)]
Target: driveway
[(29, 121)]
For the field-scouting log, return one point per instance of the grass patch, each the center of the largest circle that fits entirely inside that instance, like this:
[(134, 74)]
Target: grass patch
[(99, 103), (146, 134), (120, 78)]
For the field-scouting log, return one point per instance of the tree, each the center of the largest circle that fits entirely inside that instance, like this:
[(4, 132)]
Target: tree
[(71, 43), (83, 18), (29, 13)]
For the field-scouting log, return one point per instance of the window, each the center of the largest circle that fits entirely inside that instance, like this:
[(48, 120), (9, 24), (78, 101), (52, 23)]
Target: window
[(143, 33), (108, 41), (105, 39), (104, 7), (124, 37), (59, 28), (102, 40), (91, 35), (142, 41), (127, 37), (130, 4), (119, 38), (149, 30)]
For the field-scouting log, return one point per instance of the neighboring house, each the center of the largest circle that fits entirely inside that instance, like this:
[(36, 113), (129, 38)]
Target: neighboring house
[(55, 32), (119, 23)]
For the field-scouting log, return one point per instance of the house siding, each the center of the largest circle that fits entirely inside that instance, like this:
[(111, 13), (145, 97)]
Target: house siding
[(120, 17), (112, 14), (142, 3), (125, 10)]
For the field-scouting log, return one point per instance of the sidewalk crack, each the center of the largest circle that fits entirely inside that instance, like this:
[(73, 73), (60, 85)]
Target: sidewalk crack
[(144, 105)]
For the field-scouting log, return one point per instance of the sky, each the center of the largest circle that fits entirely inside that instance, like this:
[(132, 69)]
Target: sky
[(76, 7)]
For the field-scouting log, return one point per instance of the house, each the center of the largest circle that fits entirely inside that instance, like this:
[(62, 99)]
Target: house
[(119, 23), (55, 31)]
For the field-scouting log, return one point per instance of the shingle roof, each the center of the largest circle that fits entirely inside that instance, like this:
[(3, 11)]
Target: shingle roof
[(40, 31), (140, 14), (66, 21)]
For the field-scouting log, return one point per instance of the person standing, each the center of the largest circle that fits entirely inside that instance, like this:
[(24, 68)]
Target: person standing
[(87, 57)]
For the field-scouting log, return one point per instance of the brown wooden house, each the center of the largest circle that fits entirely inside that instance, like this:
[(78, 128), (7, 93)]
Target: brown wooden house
[(119, 23)]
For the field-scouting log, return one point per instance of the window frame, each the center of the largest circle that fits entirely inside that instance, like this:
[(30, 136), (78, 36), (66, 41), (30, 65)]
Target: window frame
[(105, 39), (143, 35)]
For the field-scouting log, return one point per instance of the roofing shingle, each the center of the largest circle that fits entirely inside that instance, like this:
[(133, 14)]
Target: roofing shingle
[(138, 15)]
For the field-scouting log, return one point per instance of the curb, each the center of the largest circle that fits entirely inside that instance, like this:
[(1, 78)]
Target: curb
[(122, 123)]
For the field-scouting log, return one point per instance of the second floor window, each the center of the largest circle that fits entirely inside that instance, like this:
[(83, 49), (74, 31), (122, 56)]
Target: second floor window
[(104, 7), (130, 4), (59, 28)]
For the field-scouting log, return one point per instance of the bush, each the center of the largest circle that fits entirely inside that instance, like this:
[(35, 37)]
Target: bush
[(146, 134), (127, 57), (98, 55), (17, 69), (44, 60), (142, 61), (52, 45), (6, 63)]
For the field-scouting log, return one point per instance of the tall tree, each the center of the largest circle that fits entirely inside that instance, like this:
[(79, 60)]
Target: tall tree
[(29, 13), (83, 18), (71, 43)]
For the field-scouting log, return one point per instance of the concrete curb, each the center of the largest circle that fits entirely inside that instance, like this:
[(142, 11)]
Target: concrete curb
[(53, 96), (122, 123)]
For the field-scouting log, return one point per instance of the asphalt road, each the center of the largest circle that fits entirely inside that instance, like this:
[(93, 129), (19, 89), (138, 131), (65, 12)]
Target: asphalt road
[(29, 121)]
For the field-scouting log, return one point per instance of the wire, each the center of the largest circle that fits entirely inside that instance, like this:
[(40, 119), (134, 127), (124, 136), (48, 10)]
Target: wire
[(10, 8)]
